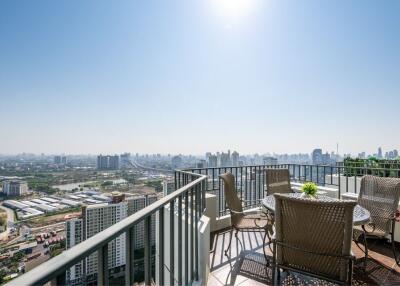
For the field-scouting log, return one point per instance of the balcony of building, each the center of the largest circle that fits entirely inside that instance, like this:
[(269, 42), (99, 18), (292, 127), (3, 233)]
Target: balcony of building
[(192, 232)]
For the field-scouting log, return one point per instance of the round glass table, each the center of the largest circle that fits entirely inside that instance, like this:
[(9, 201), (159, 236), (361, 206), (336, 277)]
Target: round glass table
[(361, 216)]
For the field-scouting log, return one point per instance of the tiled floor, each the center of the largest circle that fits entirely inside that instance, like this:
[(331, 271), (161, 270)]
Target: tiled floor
[(249, 268)]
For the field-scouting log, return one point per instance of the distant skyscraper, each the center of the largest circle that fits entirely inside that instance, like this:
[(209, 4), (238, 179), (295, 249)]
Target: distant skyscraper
[(201, 164), (125, 160), (235, 159), (380, 153), (317, 157), (60, 160), (226, 159), (107, 162), (212, 161), (176, 162), (270, 161)]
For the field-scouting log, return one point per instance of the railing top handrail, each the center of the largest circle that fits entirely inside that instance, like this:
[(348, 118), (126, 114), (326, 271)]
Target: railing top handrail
[(57, 265), (305, 165)]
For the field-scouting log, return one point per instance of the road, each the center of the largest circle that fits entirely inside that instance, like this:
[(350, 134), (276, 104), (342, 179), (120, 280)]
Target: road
[(138, 166), (10, 222)]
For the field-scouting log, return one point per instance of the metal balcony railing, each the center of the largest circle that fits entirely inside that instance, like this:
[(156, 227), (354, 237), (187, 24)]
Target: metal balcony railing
[(187, 203), (251, 185)]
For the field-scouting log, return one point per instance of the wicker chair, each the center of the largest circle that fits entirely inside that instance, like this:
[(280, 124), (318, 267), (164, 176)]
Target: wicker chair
[(380, 196), (241, 221), (313, 238), (278, 181)]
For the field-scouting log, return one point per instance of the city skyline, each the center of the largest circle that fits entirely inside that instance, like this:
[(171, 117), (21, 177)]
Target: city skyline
[(188, 77), (378, 152)]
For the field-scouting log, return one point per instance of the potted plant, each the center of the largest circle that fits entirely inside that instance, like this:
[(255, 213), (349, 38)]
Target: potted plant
[(309, 190)]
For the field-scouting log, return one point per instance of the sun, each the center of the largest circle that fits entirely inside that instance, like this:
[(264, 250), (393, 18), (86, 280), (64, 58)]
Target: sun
[(232, 10)]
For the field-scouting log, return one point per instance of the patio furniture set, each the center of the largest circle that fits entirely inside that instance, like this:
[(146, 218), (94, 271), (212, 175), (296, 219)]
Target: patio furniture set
[(313, 235)]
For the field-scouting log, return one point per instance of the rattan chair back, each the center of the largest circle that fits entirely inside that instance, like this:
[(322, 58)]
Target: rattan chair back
[(232, 200), (314, 236), (278, 181), (380, 196)]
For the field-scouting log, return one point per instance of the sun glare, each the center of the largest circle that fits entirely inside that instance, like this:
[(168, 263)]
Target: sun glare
[(232, 11)]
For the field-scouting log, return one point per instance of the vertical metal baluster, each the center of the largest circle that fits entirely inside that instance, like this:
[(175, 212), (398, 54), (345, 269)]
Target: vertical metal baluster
[(355, 182), (172, 243), (241, 183), (254, 197), (175, 181), (339, 181), (186, 238), (196, 234), (102, 266), (191, 233), (129, 257), (180, 240), (147, 250), (245, 184), (213, 179), (161, 245)]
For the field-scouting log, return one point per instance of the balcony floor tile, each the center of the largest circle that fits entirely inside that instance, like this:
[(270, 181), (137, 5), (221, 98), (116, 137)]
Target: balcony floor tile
[(249, 267)]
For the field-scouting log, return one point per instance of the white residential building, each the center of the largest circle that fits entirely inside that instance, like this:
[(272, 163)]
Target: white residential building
[(96, 218), (15, 188)]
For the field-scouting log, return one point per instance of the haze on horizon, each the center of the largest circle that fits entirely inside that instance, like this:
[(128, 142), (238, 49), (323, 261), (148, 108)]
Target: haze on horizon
[(190, 77)]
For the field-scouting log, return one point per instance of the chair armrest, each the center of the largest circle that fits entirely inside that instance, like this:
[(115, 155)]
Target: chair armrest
[(235, 212), (251, 201)]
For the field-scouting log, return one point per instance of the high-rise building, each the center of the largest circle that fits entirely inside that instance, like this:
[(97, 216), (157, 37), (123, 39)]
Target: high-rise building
[(235, 159), (168, 187), (107, 162), (96, 218), (317, 157), (270, 161), (201, 164), (176, 162), (125, 160), (380, 156), (212, 161), (15, 187), (362, 155), (60, 160), (226, 159)]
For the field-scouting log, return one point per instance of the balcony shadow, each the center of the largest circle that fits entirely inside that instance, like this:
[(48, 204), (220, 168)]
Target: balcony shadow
[(248, 267)]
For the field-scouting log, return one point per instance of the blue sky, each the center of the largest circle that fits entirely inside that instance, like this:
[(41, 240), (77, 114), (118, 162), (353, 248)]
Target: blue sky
[(183, 76)]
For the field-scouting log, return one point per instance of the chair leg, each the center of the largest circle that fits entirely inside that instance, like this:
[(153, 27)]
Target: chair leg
[(238, 239), (269, 244), (365, 250), (350, 280), (396, 257), (273, 267), (230, 242)]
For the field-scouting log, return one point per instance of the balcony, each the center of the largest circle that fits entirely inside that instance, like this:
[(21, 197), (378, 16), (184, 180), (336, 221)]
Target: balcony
[(191, 235)]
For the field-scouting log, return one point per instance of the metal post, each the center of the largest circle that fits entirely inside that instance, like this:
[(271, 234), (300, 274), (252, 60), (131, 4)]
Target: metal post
[(129, 252), (147, 250), (102, 266), (171, 243), (161, 246)]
